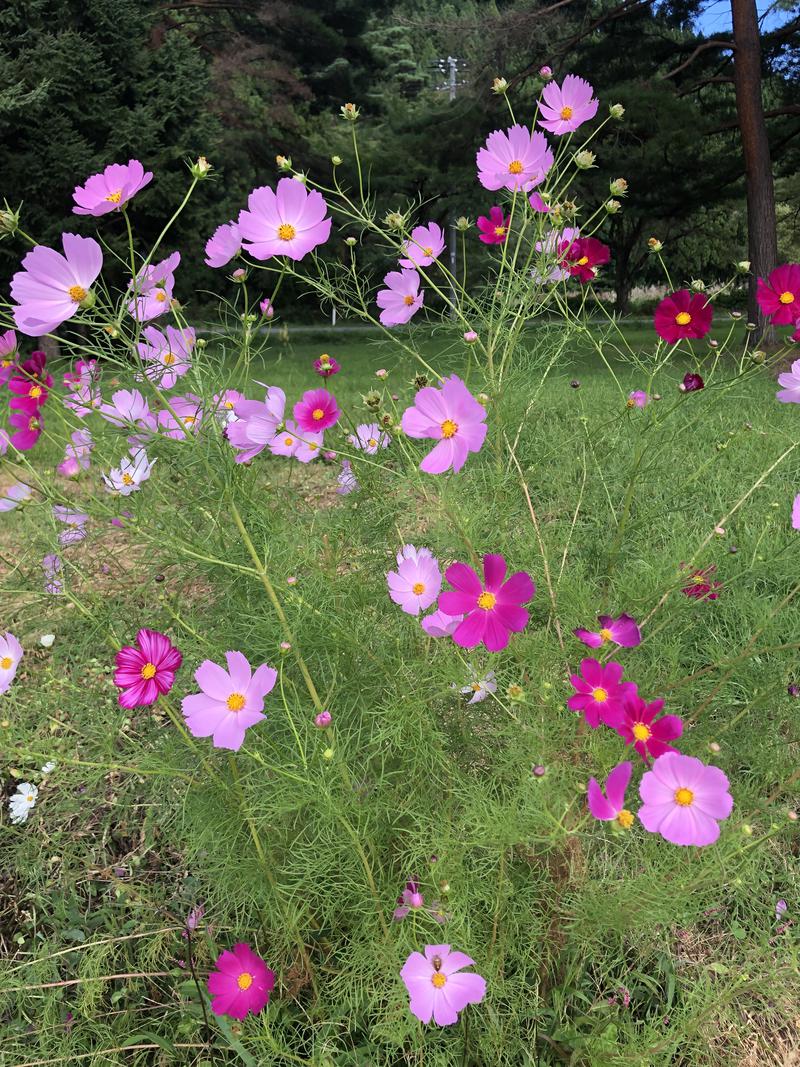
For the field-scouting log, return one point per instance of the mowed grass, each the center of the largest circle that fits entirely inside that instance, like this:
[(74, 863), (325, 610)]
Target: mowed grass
[(562, 916)]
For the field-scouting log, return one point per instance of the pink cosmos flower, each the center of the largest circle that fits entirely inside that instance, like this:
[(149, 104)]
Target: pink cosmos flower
[(168, 355), (538, 205), (546, 72), (492, 608), (424, 246), (224, 243), (683, 315), (112, 189), (16, 494), (299, 444), (790, 380), (83, 382), (416, 583), (622, 631), (600, 692), (493, 227), (779, 296), (699, 587), (326, 366), (146, 670), (582, 256), (128, 477), (412, 900), (316, 411), (638, 399), (257, 422), (611, 807), (401, 299), (230, 702), (8, 352), (640, 728), (479, 688), (439, 624), (514, 159), (26, 421), (189, 410), (568, 106), (451, 416), (683, 800), (796, 513), (10, 655), (51, 288), (153, 286), (128, 408), (347, 481), (437, 985), (267, 310), (224, 405), (52, 567), (289, 222), (241, 983), (75, 523), (369, 438)]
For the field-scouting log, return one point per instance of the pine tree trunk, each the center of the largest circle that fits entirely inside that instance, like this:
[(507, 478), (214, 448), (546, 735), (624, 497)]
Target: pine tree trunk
[(761, 232)]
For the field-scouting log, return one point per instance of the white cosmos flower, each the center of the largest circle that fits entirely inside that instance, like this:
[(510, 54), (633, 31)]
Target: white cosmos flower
[(132, 471), (23, 802), (46, 640), (480, 688), (48, 767)]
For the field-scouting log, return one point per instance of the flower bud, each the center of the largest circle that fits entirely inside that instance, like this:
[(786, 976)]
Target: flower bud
[(515, 692), (444, 887), (328, 754), (612, 207), (349, 112), (283, 162), (654, 244), (750, 326), (793, 690), (470, 337), (300, 177), (336, 161), (545, 72), (284, 647), (736, 315), (713, 746), (372, 400), (395, 220), (420, 382), (201, 342), (323, 720), (743, 266), (350, 242), (791, 816), (239, 275), (463, 223), (758, 356), (484, 398), (382, 373), (574, 384), (747, 829), (9, 220), (539, 771), (616, 111), (619, 187), (698, 285), (499, 86), (584, 160), (201, 169), (266, 308)]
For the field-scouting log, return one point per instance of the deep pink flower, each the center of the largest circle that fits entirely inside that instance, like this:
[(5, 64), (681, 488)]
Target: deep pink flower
[(796, 335), (638, 399), (289, 222), (538, 205), (552, 245), (438, 986), (493, 227), (451, 416), (692, 383), (640, 728), (611, 807), (401, 299), (600, 692), (26, 420), (699, 587), (796, 513), (439, 624), (153, 287), (683, 800), (568, 106), (257, 423), (779, 296), (416, 583), (514, 159), (424, 246), (112, 189), (790, 380), (316, 411), (146, 670), (27, 388), (167, 355), (621, 631), (492, 608), (267, 310), (582, 256), (683, 315), (241, 983), (326, 366), (223, 245), (51, 288), (85, 372), (230, 702)]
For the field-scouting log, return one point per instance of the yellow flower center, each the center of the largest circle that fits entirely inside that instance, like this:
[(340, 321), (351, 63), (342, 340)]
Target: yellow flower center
[(438, 980), (35, 392), (487, 600), (642, 732), (33, 423), (683, 318), (600, 695), (418, 588), (684, 797), (427, 251), (515, 167), (286, 231), (499, 231), (148, 671), (244, 981), (114, 198), (317, 414), (161, 296), (5, 363), (288, 441), (189, 420), (228, 404), (625, 819), (566, 113), (699, 579), (449, 428), (583, 261), (312, 447), (235, 702), (408, 300), (77, 293), (169, 358), (605, 634), (29, 798), (6, 663), (786, 298), (372, 442), (127, 479)]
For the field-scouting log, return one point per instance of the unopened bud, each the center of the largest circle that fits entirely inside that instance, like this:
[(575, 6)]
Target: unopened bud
[(300, 177), (545, 72), (350, 242), (349, 112), (323, 720), (283, 162), (743, 266), (336, 160), (499, 86), (750, 326), (372, 400), (698, 285), (616, 111), (758, 356), (9, 220), (619, 187), (328, 754), (747, 829), (612, 207), (382, 373), (585, 159), (463, 223), (654, 244), (470, 337), (201, 169), (395, 220)]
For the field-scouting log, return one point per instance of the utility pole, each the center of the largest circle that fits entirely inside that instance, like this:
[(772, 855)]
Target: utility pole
[(451, 67)]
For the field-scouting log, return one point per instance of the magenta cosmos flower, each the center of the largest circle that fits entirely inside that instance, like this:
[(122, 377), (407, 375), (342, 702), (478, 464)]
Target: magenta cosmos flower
[(316, 411), (637, 399), (153, 287), (146, 670), (326, 366), (25, 420), (790, 381), (450, 415), (492, 608), (701, 586), (224, 243), (493, 228), (241, 983), (796, 513), (257, 423), (582, 257), (611, 807), (779, 296), (230, 702), (438, 987), (514, 159), (683, 800), (416, 583), (51, 288), (287, 222), (682, 316), (401, 299), (167, 355), (620, 631), (112, 189), (640, 727), (424, 246), (599, 692), (567, 106), (10, 655)]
